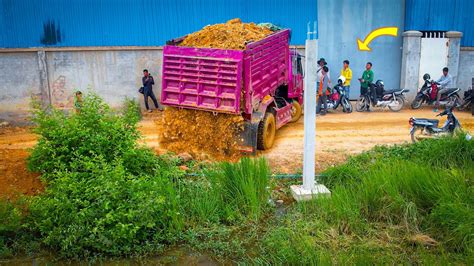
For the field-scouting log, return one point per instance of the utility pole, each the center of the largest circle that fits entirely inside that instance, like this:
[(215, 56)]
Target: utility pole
[(310, 188)]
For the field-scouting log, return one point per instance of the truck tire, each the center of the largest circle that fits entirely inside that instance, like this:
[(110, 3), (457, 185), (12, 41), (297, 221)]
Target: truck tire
[(296, 111), (266, 132)]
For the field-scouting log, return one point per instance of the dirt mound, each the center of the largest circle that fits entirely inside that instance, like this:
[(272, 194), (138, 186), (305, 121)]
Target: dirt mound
[(202, 134), (230, 35)]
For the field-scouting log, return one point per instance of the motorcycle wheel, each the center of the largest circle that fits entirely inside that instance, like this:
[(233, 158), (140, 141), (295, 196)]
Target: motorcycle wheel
[(455, 100), (346, 106), (399, 106), (415, 134), (361, 104), (417, 102)]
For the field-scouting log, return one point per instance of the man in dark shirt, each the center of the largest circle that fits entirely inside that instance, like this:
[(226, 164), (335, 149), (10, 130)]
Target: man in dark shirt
[(148, 82)]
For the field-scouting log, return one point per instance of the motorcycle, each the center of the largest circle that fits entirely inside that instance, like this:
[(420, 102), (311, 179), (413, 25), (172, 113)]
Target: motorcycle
[(393, 99), (429, 91), (338, 97), (468, 101), (427, 128)]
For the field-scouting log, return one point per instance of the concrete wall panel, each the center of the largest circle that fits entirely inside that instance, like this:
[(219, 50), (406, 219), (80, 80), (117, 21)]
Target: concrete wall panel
[(19, 79), (341, 22), (466, 69), (114, 75)]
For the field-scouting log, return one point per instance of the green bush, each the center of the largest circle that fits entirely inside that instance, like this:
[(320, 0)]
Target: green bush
[(11, 219), (105, 194), (95, 131), (105, 210)]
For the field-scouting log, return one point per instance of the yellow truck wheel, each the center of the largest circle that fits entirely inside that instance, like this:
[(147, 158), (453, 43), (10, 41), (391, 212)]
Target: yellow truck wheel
[(266, 132), (296, 111)]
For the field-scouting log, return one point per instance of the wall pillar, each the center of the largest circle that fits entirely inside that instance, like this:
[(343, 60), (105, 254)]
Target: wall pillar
[(454, 49), (44, 80), (411, 55)]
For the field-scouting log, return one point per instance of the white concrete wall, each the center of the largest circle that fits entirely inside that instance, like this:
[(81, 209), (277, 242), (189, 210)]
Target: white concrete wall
[(113, 74), (466, 68), (19, 79)]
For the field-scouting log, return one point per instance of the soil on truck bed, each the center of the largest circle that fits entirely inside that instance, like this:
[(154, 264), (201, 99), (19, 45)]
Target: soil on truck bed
[(230, 35), (339, 135)]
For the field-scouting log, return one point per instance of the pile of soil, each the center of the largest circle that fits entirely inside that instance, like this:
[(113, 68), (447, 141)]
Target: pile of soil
[(230, 35), (204, 135)]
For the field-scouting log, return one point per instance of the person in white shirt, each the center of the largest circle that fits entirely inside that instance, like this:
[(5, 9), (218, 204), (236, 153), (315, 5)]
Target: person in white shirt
[(445, 82)]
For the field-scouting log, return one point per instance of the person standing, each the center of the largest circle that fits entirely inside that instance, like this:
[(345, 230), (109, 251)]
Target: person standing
[(346, 72), (323, 91), (148, 83), (445, 82), (366, 82), (321, 63)]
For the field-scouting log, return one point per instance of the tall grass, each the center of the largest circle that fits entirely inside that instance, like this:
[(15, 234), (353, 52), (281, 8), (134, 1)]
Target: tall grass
[(407, 203), (229, 192)]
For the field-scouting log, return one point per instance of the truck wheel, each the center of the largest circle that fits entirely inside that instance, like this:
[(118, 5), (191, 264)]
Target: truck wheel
[(295, 111), (266, 132)]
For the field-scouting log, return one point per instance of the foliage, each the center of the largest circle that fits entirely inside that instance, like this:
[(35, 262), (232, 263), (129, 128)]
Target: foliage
[(443, 153), (105, 195), (407, 203), (105, 210), (95, 131), (229, 192)]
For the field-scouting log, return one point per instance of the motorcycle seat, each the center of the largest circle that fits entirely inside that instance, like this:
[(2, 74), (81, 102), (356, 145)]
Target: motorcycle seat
[(450, 90), (426, 122), (391, 91)]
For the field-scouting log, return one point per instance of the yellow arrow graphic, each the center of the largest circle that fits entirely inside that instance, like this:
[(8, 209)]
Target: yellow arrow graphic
[(364, 45)]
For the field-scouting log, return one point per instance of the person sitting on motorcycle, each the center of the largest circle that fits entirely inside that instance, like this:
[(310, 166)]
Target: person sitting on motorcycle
[(445, 82), (323, 92), (366, 82)]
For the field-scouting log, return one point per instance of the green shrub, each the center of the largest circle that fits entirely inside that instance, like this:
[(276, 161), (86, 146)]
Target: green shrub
[(10, 223), (95, 131), (105, 194), (105, 211)]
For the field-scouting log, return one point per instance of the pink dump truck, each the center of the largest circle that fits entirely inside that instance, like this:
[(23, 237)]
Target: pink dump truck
[(263, 84)]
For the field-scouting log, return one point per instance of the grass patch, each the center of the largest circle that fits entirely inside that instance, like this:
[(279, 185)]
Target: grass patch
[(408, 203)]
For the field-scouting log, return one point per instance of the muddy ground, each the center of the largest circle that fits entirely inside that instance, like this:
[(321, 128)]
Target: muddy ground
[(339, 135)]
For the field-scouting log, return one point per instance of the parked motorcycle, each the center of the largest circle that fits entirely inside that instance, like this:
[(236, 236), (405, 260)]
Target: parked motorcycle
[(429, 91), (393, 99), (468, 101), (338, 97), (428, 128)]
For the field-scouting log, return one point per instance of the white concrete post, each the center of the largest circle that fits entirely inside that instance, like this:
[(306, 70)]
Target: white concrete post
[(454, 51), (309, 155), (411, 62), (309, 189)]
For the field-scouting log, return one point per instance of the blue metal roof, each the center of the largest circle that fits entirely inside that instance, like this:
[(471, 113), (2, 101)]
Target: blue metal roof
[(36, 23), (442, 15)]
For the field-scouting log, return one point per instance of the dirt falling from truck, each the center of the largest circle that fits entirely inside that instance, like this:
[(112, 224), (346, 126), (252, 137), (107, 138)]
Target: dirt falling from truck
[(204, 135), (230, 35)]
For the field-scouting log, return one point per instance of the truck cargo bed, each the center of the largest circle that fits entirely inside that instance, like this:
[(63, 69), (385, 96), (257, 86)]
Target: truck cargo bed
[(216, 79)]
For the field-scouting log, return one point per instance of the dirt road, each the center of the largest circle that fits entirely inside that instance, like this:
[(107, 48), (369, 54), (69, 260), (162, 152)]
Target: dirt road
[(338, 136)]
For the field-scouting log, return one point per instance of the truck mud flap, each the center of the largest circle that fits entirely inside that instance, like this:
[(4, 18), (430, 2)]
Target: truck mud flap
[(248, 139)]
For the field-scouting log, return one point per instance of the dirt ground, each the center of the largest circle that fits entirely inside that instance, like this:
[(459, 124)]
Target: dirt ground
[(339, 135)]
